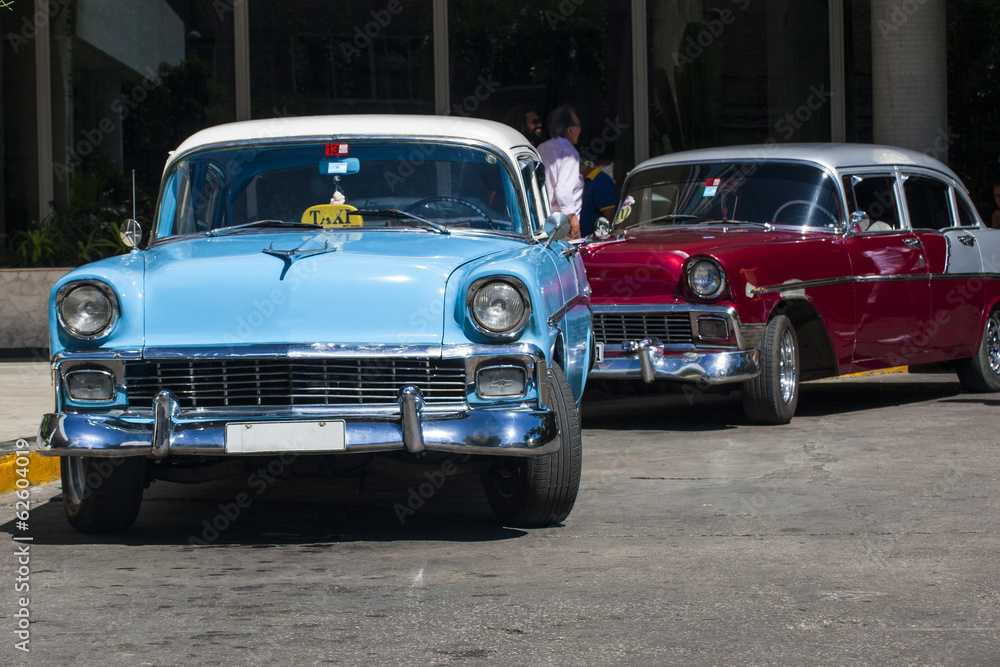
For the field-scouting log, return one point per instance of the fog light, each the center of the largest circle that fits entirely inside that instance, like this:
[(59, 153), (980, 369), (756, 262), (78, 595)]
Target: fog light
[(501, 382), (91, 386), (713, 327)]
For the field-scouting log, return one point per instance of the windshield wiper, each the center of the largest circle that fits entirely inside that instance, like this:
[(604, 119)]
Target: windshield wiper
[(263, 224), (403, 215), (765, 225), (669, 216)]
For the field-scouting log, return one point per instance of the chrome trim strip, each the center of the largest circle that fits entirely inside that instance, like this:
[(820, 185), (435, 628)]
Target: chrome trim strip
[(332, 350), (579, 299), (709, 367), (802, 284), (825, 282), (892, 279), (490, 432)]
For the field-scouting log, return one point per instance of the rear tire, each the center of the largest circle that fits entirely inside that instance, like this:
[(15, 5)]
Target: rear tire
[(102, 495), (539, 491), (773, 396), (981, 373)]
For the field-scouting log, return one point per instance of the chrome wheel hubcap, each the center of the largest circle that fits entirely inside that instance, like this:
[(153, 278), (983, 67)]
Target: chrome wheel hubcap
[(786, 367), (993, 342), (76, 481)]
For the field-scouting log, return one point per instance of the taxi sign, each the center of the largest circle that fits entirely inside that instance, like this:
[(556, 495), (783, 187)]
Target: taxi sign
[(332, 215)]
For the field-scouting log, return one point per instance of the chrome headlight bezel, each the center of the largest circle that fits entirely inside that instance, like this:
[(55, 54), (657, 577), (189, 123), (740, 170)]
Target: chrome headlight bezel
[(101, 288), (519, 289), (715, 288)]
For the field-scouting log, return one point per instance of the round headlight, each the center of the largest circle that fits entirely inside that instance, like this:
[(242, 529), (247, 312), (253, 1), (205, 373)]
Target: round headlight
[(498, 307), (86, 310), (706, 278)]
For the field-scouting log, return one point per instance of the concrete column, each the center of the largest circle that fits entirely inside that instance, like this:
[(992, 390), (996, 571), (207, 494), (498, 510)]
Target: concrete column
[(910, 75)]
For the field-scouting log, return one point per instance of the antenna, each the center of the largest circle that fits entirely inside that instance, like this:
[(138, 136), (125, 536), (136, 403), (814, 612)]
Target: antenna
[(133, 194)]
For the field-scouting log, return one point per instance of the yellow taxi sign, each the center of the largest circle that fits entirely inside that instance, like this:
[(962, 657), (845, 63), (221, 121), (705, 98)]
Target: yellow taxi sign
[(332, 215)]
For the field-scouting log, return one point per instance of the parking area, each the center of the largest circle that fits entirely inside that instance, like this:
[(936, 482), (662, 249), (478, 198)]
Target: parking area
[(864, 532)]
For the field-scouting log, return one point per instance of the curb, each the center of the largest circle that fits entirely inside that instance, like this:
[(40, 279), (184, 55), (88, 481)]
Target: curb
[(884, 371), (39, 469)]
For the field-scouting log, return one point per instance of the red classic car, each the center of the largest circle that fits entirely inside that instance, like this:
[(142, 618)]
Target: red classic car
[(758, 267)]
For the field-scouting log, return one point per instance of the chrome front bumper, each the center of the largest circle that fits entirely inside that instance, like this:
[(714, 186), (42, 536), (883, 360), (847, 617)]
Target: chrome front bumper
[(514, 432), (679, 357), (650, 363), (504, 428)]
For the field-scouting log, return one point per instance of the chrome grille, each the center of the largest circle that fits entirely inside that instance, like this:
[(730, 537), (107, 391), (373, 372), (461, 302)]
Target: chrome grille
[(283, 383), (669, 328)]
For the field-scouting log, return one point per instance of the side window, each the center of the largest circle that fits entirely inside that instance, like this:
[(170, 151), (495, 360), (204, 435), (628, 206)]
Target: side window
[(966, 217), (533, 173), (874, 195), (927, 203)]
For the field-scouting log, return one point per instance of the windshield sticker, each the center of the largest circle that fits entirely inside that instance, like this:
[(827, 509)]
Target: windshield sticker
[(336, 149), (711, 187), (625, 211)]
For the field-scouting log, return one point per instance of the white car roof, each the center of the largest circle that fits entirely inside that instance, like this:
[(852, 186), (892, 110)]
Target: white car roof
[(835, 157), (358, 126)]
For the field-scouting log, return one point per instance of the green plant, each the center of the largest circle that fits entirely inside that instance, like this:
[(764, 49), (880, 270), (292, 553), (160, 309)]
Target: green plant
[(85, 231)]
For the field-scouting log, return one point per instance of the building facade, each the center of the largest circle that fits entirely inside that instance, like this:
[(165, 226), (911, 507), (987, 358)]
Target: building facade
[(96, 90)]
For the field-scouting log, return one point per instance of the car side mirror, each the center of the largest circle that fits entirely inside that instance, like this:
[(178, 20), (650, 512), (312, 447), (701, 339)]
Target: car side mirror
[(858, 223), (557, 227), (131, 234), (602, 227)]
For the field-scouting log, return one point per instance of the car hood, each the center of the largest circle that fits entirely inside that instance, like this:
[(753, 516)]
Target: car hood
[(646, 265), (338, 288)]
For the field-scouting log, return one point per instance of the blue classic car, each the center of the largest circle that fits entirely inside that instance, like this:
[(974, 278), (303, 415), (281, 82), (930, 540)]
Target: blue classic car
[(334, 289)]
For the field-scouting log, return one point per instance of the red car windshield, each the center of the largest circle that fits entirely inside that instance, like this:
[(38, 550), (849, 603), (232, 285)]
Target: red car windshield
[(775, 193)]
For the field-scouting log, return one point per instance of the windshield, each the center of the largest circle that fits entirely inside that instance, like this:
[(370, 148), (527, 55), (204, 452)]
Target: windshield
[(358, 185), (776, 193)]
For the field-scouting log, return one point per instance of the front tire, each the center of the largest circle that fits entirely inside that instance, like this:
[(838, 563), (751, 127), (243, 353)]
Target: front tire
[(102, 495), (981, 373), (539, 491), (773, 396)]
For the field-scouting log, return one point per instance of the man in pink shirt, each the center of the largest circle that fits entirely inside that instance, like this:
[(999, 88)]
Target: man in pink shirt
[(562, 165)]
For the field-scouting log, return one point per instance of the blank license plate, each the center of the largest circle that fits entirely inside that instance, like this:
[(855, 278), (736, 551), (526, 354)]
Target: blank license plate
[(292, 436)]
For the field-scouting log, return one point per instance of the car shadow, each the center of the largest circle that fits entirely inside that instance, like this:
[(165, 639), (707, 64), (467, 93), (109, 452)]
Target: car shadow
[(831, 397), (310, 512), (689, 411)]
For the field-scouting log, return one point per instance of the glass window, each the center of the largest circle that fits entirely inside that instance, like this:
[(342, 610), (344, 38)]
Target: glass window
[(874, 195), (727, 72), (130, 80), (518, 58), (462, 187), (927, 203), (966, 217), (786, 194), (311, 57)]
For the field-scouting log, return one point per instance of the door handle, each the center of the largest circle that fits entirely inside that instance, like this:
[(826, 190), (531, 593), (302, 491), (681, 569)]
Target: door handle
[(967, 239), (913, 243)]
